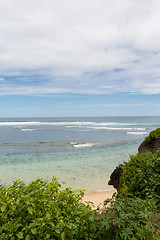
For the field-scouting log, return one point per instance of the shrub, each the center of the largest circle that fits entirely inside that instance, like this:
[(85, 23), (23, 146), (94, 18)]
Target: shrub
[(130, 219), (155, 134), (40, 210), (141, 177)]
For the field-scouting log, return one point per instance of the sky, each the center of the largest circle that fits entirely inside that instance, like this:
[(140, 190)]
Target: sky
[(79, 58)]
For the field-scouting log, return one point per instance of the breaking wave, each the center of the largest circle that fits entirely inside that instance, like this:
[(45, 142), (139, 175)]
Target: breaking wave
[(68, 124), (83, 145), (28, 129), (107, 128), (137, 133)]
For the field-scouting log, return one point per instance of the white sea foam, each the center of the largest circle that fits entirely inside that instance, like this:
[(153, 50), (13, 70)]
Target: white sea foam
[(137, 133), (84, 145), (116, 128), (45, 123), (27, 129), (19, 123), (67, 124), (83, 124), (107, 128), (73, 143)]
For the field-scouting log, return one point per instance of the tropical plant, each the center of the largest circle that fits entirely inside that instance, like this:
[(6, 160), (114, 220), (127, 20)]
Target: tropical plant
[(42, 210), (141, 177), (155, 134), (130, 219)]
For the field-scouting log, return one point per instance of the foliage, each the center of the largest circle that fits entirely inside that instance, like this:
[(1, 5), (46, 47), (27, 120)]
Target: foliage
[(141, 177), (135, 214), (130, 219), (40, 210), (152, 136)]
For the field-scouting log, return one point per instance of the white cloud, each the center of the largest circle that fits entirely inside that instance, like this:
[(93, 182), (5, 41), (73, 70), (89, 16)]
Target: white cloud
[(67, 39)]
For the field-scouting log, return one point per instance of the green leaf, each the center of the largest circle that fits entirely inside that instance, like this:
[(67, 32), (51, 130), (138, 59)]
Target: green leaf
[(63, 236), (57, 231), (3, 208), (133, 238), (27, 237), (20, 235), (30, 210), (34, 231)]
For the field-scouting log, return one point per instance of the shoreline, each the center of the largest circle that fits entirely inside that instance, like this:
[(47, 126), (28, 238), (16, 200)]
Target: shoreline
[(98, 197)]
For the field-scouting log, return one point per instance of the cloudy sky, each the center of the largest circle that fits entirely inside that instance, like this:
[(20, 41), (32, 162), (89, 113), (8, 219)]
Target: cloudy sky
[(79, 58)]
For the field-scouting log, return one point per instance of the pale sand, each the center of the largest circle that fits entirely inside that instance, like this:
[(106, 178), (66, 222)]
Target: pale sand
[(98, 197)]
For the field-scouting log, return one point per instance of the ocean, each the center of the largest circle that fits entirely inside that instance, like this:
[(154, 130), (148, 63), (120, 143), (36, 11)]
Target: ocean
[(80, 152)]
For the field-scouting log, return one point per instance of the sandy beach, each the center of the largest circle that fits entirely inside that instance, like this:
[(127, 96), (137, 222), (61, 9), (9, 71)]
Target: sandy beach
[(98, 197)]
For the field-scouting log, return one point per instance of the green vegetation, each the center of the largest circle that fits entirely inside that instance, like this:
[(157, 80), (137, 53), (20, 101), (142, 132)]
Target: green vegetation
[(139, 196), (130, 219), (40, 210), (141, 177), (152, 136)]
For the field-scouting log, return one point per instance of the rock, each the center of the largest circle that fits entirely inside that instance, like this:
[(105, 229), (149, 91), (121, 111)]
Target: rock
[(115, 177), (153, 147)]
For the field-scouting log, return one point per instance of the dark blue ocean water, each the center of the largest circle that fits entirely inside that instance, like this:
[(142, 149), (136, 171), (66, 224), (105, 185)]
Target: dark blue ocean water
[(81, 152)]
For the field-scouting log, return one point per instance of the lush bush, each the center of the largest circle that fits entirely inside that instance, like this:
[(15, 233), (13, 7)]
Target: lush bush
[(135, 214), (152, 136), (41, 210), (141, 177), (130, 219)]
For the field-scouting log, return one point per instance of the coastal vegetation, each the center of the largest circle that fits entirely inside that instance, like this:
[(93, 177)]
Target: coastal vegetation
[(155, 134), (151, 142), (141, 177), (42, 210)]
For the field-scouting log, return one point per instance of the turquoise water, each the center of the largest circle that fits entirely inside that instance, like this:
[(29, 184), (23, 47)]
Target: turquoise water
[(80, 152)]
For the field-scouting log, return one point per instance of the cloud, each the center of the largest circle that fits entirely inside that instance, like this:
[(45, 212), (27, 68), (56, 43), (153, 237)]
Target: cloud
[(93, 47)]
